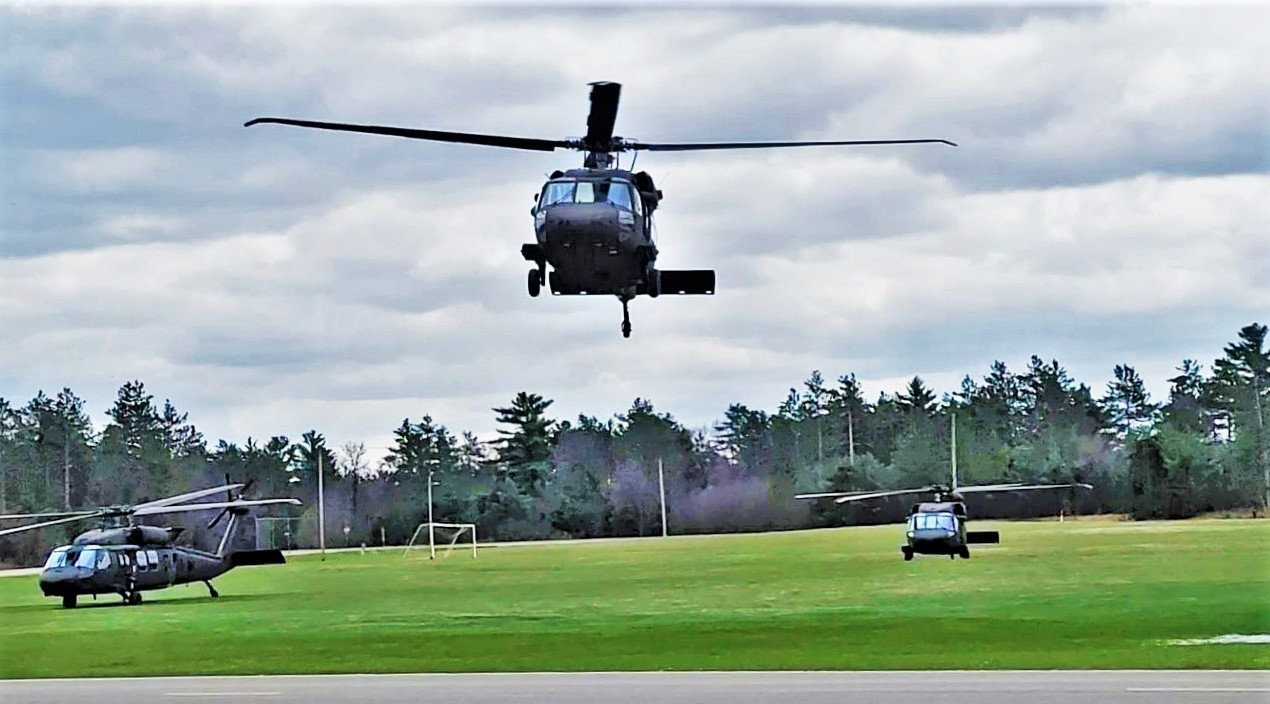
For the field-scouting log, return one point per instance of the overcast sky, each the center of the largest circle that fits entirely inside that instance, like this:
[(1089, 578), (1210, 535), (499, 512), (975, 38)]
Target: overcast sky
[(1108, 203)]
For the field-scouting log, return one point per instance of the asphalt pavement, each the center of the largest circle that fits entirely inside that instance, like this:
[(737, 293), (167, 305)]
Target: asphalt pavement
[(1039, 687)]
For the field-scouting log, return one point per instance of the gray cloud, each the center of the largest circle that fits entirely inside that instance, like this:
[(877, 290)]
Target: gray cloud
[(1105, 206)]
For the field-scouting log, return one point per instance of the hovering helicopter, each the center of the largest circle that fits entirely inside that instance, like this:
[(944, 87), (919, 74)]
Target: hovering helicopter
[(129, 559), (594, 225)]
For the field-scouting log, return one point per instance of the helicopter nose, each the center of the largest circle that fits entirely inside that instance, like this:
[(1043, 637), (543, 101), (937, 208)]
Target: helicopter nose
[(57, 581)]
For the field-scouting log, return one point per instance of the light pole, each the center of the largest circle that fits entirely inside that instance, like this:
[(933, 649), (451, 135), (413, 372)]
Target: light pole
[(321, 511), (661, 485)]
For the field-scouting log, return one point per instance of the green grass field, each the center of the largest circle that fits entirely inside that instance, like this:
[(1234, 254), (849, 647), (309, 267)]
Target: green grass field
[(1082, 594)]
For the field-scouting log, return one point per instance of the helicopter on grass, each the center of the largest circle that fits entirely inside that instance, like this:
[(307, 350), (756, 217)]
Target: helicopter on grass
[(594, 225), (938, 527), (129, 559)]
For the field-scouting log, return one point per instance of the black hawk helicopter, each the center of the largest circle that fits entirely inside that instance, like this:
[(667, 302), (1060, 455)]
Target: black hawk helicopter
[(938, 527), (594, 225), (129, 559)]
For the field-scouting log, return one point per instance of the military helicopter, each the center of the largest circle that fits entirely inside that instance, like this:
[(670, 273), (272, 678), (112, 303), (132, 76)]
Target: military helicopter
[(129, 559), (594, 225), (938, 527)]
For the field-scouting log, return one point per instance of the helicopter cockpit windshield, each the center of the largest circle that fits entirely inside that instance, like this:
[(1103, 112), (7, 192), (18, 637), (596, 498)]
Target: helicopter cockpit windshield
[(93, 558), (617, 193), (57, 558), (932, 521)]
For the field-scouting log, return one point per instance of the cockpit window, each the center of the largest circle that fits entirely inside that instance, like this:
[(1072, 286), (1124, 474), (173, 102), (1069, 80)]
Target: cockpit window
[(57, 558), (87, 558), (617, 193), (933, 521)]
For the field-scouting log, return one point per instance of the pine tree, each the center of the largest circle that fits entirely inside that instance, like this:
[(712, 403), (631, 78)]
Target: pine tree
[(1127, 403), (525, 450)]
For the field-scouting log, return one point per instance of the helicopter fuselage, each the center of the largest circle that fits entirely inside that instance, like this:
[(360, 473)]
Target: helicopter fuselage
[(593, 228), (939, 528), (128, 560)]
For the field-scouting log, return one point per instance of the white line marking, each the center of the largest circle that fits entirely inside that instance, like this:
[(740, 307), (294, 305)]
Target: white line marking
[(221, 694), (1198, 689)]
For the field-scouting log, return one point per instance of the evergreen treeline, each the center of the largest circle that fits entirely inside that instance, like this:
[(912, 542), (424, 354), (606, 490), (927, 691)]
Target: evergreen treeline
[(1203, 449)]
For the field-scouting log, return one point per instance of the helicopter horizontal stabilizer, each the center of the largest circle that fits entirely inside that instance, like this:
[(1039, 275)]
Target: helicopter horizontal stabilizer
[(687, 282), (982, 537), (248, 558)]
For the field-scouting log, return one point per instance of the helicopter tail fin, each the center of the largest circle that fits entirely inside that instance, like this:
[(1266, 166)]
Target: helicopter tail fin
[(982, 537), (687, 282)]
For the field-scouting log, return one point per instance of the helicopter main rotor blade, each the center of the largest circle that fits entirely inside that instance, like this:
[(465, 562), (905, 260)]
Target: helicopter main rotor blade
[(488, 140), (1024, 487), (772, 145), (881, 494), (213, 505), (599, 122), (988, 487), (46, 524), (182, 498), (830, 494), (59, 514)]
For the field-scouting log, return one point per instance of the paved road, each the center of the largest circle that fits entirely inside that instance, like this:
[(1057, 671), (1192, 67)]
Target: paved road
[(1046, 687)]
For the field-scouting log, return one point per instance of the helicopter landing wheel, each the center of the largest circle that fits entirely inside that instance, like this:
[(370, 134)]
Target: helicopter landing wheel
[(535, 283), (626, 320), (965, 553), (212, 590), (908, 553), (132, 599), (68, 601)]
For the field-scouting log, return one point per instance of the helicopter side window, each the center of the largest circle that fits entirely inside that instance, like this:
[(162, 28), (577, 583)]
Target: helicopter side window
[(154, 559), (103, 560), (141, 560)]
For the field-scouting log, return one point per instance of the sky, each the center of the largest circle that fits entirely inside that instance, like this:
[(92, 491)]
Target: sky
[(1107, 203)]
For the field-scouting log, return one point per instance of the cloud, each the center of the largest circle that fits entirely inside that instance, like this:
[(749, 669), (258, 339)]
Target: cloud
[(1104, 207)]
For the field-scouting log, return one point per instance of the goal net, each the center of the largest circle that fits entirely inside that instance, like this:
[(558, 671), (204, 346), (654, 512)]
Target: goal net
[(446, 535), (280, 533)]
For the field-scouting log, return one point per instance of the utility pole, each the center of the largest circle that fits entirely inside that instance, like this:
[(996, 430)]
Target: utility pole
[(850, 438), (661, 484), (321, 509), (66, 465), (954, 450)]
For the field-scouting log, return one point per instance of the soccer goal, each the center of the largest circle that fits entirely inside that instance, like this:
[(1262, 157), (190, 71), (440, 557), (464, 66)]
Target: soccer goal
[(277, 532), (447, 534)]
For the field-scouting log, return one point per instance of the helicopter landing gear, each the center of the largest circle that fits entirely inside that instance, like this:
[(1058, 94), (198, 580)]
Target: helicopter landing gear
[(908, 552), (535, 282), (212, 590), (653, 278), (626, 318), (132, 598), (965, 552), (68, 601)]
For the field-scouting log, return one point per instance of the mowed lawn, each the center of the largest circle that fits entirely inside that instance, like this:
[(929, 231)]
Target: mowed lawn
[(1080, 594)]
